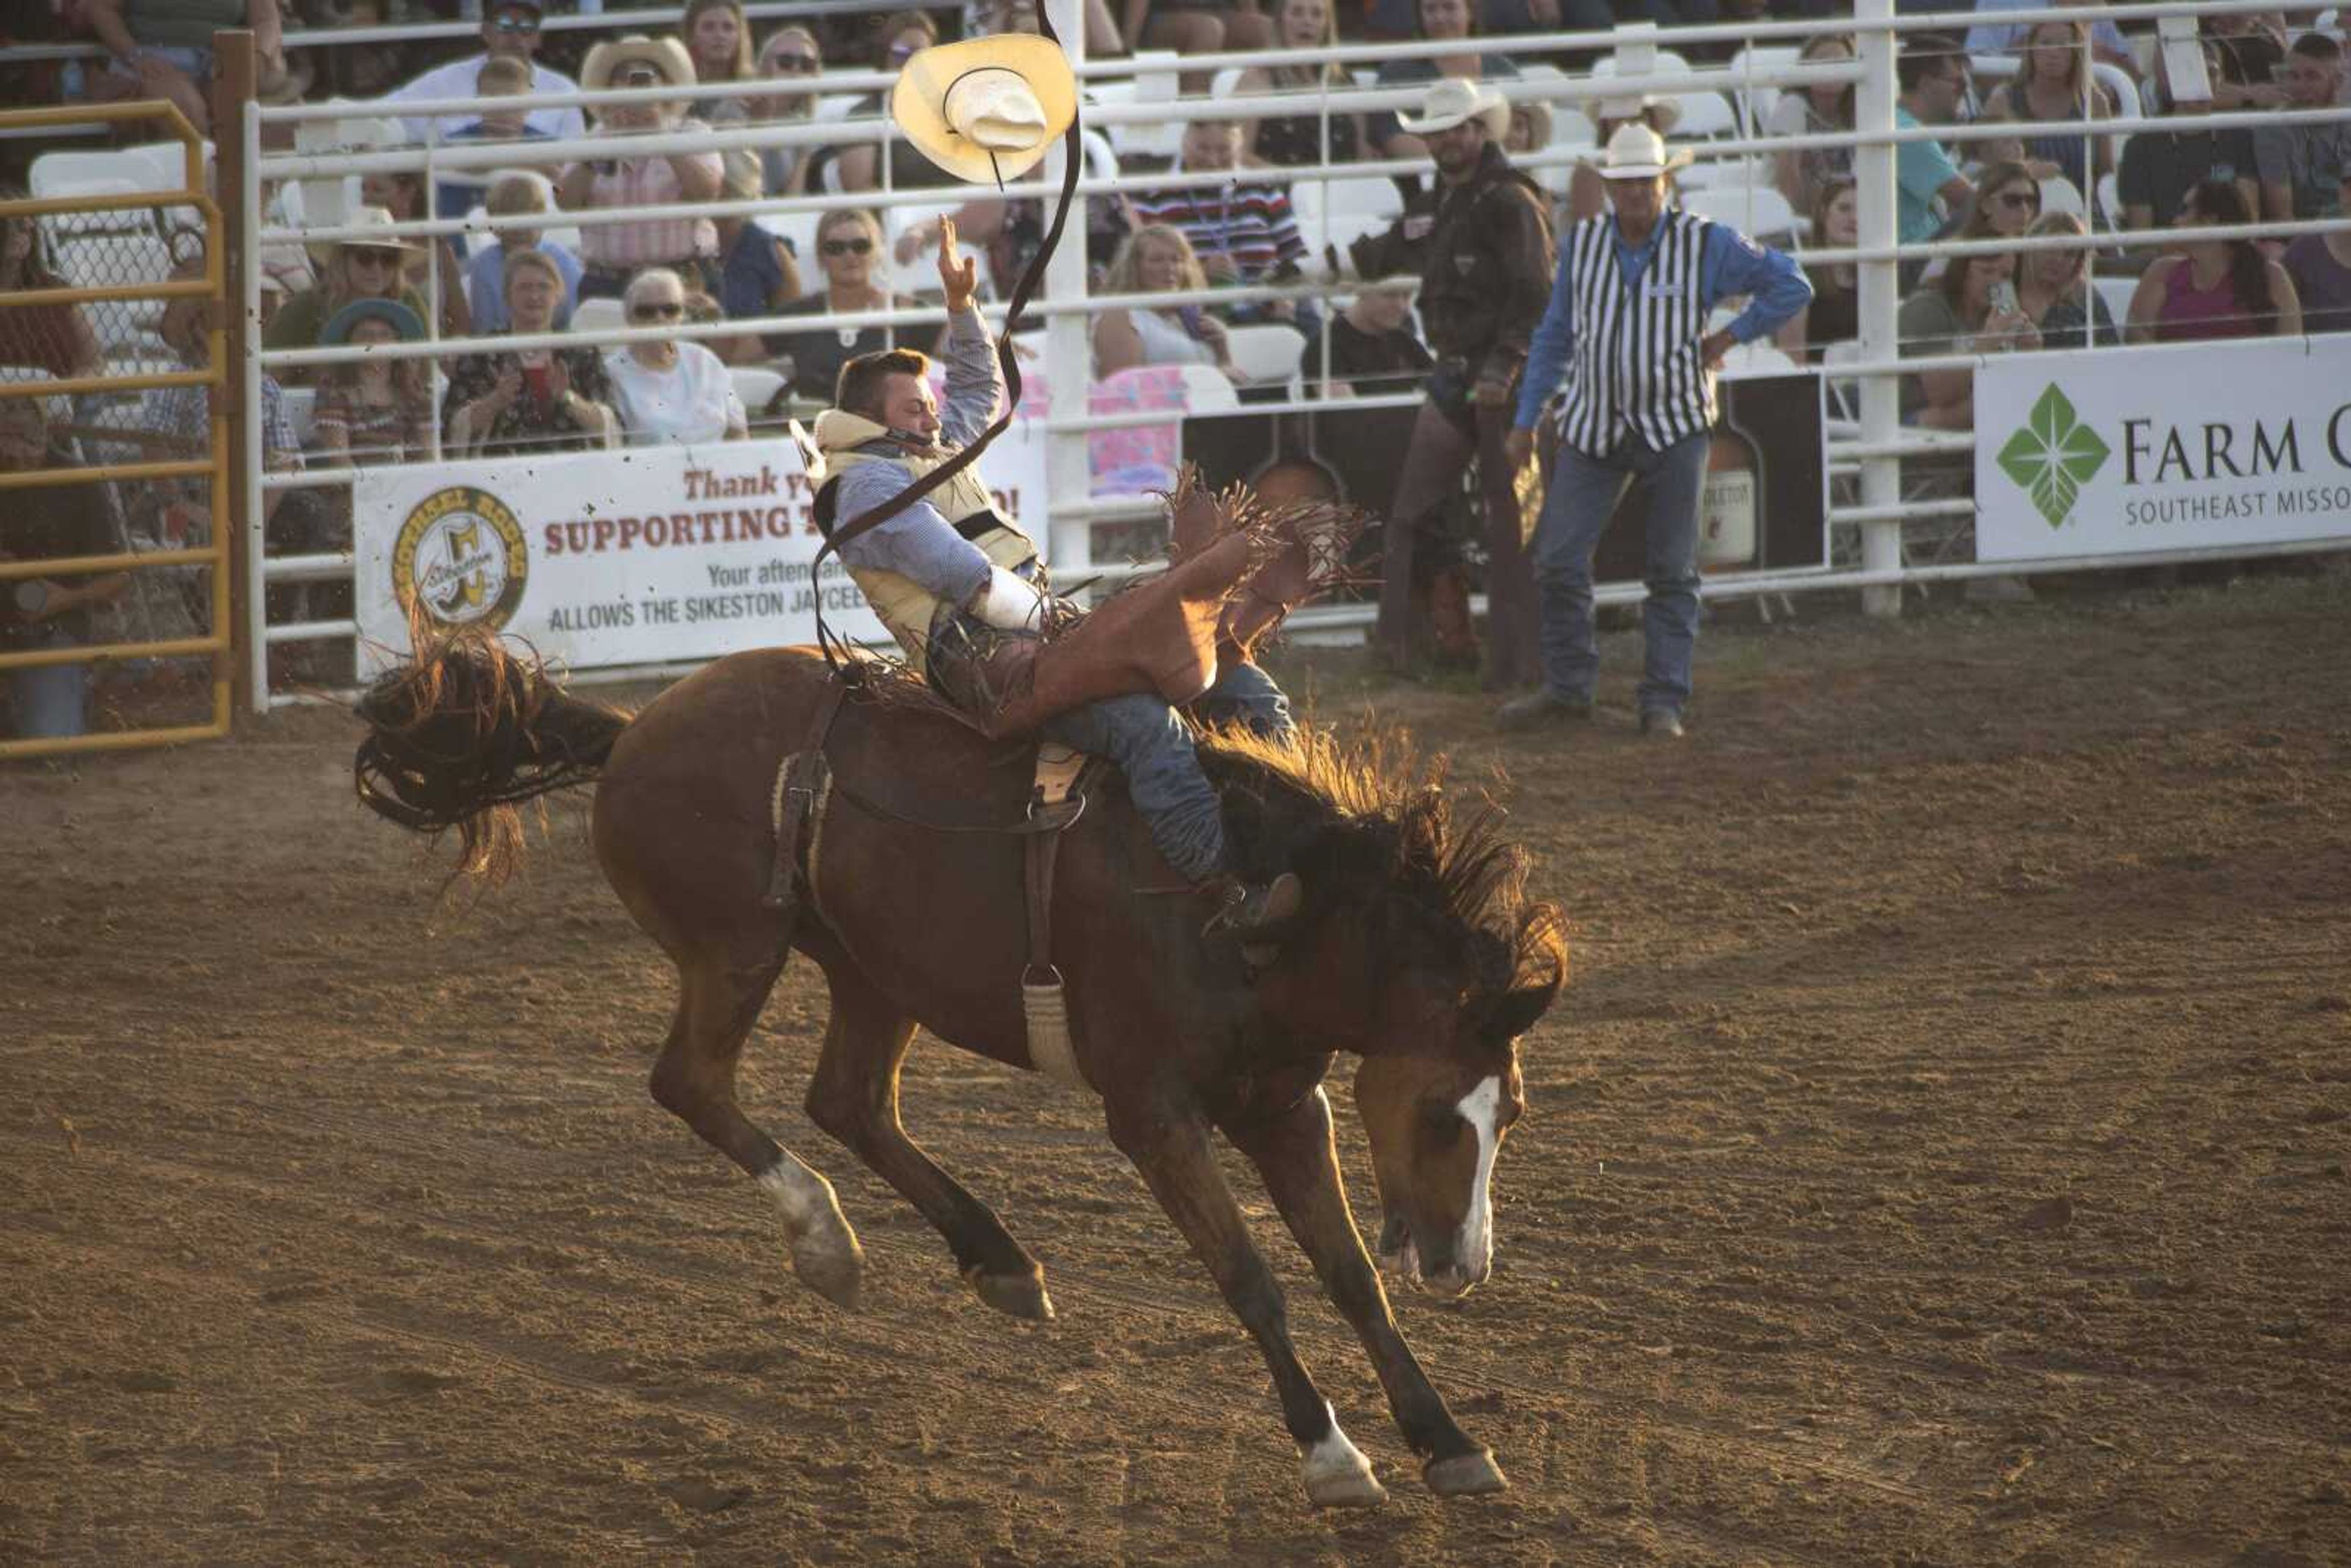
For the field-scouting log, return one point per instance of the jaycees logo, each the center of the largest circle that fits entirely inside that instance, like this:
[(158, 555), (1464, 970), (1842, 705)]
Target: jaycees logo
[(2054, 457), (461, 554)]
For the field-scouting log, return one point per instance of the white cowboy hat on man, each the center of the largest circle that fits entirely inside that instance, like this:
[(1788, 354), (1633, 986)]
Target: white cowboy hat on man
[(1453, 101), (1636, 152), (987, 109)]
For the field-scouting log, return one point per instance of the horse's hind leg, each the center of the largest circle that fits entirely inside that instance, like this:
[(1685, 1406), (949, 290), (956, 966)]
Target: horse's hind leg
[(695, 1079), (854, 1097)]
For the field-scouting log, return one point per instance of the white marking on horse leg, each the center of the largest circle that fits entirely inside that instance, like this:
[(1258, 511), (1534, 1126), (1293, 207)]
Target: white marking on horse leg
[(825, 1253), (1337, 1474), (1473, 1249)]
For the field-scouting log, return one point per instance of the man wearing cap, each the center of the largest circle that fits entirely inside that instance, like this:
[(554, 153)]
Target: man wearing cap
[(1481, 242), (1626, 334), (509, 27)]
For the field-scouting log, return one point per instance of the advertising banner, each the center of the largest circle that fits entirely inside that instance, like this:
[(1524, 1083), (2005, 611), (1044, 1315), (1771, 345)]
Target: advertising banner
[(2100, 453), (640, 556)]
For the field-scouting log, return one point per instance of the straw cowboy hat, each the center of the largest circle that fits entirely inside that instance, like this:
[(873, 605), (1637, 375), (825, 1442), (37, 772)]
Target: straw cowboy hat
[(1662, 112), (378, 218), (1455, 101), (1637, 153), (987, 109), (666, 56)]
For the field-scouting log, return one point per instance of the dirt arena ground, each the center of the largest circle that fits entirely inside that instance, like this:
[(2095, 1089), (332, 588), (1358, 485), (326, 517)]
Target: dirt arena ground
[(1938, 1158)]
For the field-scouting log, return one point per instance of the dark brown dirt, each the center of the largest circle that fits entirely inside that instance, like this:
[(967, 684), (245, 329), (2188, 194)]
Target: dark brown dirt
[(1939, 1157)]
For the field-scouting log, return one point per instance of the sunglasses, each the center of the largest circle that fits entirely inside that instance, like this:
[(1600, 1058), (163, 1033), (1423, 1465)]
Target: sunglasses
[(657, 311), (514, 25), (857, 247), (375, 258), (795, 65), (639, 76)]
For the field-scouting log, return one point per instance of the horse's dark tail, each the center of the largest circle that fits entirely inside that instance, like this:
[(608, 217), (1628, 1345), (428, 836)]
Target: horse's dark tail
[(464, 733)]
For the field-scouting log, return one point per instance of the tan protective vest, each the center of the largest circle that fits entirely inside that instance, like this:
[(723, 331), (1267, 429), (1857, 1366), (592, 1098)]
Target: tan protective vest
[(905, 606)]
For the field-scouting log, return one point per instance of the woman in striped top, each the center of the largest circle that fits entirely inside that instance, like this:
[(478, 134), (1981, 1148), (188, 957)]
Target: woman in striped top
[(1242, 230)]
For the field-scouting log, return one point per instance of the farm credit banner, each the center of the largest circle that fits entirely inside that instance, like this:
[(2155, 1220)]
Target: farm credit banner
[(2098, 453), (646, 555)]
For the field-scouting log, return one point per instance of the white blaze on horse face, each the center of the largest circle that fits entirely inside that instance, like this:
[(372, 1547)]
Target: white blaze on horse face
[(1474, 1245)]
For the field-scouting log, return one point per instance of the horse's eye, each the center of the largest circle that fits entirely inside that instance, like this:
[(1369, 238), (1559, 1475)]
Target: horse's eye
[(1441, 1121)]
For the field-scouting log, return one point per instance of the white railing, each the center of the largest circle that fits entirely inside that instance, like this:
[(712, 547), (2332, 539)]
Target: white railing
[(1872, 453)]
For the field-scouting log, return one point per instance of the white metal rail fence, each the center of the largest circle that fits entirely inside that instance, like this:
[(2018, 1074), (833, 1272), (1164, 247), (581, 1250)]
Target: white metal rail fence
[(1869, 449)]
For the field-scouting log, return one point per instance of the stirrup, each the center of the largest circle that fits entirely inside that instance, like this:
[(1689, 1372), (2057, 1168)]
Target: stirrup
[(1256, 911)]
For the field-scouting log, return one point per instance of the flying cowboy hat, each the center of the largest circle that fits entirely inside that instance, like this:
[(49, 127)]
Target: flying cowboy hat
[(985, 110), (1454, 101), (1637, 153)]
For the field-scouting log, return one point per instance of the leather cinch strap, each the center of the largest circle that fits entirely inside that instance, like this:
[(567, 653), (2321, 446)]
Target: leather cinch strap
[(1052, 808)]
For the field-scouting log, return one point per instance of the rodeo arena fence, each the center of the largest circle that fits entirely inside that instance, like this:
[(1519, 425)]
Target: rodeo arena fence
[(649, 559)]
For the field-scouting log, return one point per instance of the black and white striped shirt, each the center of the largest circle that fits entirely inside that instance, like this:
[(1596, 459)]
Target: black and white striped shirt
[(1637, 366)]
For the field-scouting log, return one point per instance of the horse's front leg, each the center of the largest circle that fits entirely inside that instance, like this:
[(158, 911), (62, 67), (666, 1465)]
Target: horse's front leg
[(1167, 1139), (1294, 1150)]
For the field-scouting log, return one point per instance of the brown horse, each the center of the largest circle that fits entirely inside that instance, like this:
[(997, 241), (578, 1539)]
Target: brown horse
[(1416, 950)]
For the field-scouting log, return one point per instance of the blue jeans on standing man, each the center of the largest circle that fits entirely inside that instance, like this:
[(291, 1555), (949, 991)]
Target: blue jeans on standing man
[(1149, 742), (1583, 494)]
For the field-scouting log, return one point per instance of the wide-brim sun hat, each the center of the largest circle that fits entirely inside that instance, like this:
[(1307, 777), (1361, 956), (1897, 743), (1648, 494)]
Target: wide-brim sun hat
[(1456, 100), (375, 218), (342, 323), (1636, 152), (666, 56), (985, 110)]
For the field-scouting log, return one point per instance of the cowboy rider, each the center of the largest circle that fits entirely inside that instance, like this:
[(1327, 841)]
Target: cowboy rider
[(950, 575)]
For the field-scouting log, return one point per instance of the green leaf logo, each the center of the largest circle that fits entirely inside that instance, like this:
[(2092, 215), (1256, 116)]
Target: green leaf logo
[(2054, 457)]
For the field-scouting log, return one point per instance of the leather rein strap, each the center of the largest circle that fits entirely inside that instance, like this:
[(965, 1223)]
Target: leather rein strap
[(1072, 160)]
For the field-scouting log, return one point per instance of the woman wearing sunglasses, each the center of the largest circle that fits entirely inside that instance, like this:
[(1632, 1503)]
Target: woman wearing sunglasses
[(848, 250), (790, 57), (665, 390)]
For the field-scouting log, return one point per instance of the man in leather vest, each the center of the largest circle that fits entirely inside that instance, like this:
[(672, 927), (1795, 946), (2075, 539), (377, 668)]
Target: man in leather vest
[(950, 576), (1481, 242), (1626, 329)]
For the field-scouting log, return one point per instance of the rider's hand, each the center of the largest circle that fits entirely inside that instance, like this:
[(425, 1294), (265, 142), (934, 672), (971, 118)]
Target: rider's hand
[(958, 273), (1518, 448)]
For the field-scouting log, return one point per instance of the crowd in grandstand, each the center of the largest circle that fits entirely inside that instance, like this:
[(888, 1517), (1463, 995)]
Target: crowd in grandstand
[(1221, 220)]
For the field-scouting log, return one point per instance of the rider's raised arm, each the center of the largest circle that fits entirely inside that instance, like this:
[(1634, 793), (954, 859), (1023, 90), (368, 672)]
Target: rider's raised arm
[(974, 380)]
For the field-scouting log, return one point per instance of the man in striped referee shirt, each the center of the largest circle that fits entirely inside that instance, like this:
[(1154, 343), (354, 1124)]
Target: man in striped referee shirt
[(1626, 332)]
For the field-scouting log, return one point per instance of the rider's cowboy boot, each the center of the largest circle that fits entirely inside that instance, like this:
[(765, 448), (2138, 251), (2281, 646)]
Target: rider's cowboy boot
[(1253, 909)]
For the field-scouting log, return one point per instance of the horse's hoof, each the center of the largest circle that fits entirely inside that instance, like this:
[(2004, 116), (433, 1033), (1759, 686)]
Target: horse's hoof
[(1016, 1295), (832, 1264), (1466, 1475), (1338, 1476)]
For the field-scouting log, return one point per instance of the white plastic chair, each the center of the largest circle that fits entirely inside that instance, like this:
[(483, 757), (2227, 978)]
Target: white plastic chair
[(1266, 353), (2116, 292), (1758, 101), (1156, 81), (1757, 358), (800, 227), (1208, 390), (82, 173), (598, 316), (1705, 115), (2059, 194), (1755, 209), (755, 384)]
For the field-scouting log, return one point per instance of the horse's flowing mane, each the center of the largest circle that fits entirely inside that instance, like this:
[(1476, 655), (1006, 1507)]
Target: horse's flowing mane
[(1377, 813)]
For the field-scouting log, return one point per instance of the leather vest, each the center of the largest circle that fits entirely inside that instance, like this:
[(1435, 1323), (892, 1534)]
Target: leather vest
[(903, 605)]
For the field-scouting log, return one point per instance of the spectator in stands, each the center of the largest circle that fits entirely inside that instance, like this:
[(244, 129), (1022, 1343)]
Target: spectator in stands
[(1196, 28), (54, 338), (1803, 173), (1931, 194), (49, 522), (2055, 84), (1373, 348), (1969, 310), (2302, 166), (905, 35), (757, 274), (458, 193), (1834, 314), (2252, 49), (1313, 137), (401, 193), (665, 390), (790, 53), (849, 254), (1242, 230), (509, 27), (2214, 288), (1529, 129), (2320, 266), (1587, 193), (163, 49), (2053, 288), (2160, 167), (1437, 20), (2106, 40), (613, 253), (515, 195), (2008, 195), (718, 37), (1157, 260), (376, 408), (532, 400), (362, 268)]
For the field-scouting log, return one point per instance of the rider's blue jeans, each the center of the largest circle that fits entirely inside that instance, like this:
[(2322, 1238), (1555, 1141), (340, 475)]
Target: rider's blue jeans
[(1152, 746)]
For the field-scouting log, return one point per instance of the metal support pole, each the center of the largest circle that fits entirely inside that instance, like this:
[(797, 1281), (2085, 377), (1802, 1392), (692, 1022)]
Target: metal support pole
[(239, 391), (1069, 356), (1873, 169)]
